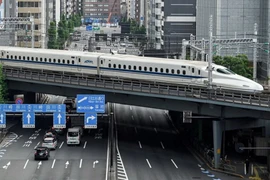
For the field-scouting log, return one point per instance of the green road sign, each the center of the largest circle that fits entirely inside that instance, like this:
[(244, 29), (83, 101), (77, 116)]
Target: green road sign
[(96, 28)]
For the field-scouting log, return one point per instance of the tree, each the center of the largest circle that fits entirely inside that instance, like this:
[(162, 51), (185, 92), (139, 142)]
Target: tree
[(52, 43), (239, 64), (3, 87)]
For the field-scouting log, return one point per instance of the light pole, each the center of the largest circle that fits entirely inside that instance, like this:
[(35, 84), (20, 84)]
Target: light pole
[(32, 28)]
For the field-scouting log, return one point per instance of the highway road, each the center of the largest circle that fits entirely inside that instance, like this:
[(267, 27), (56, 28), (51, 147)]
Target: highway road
[(66, 162), (151, 149)]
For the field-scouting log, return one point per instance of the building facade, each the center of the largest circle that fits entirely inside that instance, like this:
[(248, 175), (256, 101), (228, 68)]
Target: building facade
[(236, 19), (100, 9)]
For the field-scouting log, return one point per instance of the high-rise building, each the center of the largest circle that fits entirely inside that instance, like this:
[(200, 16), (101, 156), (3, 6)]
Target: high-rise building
[(135, 10), (42, 11), (236, 19), (101, 9)]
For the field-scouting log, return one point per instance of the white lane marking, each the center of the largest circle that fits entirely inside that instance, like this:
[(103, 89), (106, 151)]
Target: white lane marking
[(148, 163), (81, 163), (61, 145), (53, 163), (132, 117), (162, 145), (37, 145), (174, 164), (84, 144), (25, 164), (155, 130), (136, 130), (151, 118), (130, 107), (67, 163), (140, 144)]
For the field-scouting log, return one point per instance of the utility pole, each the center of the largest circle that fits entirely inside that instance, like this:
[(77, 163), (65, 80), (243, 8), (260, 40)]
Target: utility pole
[(255, 53), (33, 28), (203, 49), (210, 52)]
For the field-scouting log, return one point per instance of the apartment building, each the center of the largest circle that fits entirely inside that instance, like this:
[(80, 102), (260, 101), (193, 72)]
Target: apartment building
[(100, 9), (136, 10)]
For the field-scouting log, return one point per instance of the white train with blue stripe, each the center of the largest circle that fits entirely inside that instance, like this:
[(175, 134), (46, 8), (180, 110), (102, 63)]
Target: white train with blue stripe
[(126, 67)]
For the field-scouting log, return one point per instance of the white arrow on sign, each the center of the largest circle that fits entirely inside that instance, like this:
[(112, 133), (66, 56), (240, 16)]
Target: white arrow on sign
[(67, 163), (90, 118), (1, 118), (39, 164), (91, 107), (94, 164), (59, 118), (28, 118), (6, 166)]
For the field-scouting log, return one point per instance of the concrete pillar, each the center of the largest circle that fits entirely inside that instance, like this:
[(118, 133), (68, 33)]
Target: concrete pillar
[(217, 138), (29, 98), (200, 123)]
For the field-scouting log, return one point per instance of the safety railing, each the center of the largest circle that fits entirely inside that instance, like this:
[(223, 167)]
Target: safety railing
[(189, 91)]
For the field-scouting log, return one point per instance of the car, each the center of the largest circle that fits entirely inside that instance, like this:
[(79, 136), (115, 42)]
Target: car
[(49, 134), (59, 131), (50, 143), (42, 153)]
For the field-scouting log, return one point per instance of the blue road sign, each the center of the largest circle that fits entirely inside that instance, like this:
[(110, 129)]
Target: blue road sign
[(91, 103), (2, 120), (28, 120), (90, 120), (45, 108), (59, 120), (19, 101), (89, 28), (141, 18)]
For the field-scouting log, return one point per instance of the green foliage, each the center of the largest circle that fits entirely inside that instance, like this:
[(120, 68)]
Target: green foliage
[(52, 43), (239, 64), (3, 87)]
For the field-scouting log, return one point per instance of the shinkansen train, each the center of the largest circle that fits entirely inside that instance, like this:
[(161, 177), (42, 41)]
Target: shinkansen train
[(127, 67)]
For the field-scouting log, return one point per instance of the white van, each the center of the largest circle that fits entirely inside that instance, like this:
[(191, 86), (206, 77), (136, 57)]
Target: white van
[(74, 136)]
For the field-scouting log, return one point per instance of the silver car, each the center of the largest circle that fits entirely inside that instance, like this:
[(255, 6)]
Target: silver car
[(50, 143)]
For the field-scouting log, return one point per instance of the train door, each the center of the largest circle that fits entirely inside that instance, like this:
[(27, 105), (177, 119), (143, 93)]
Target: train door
[(3, 55), (79, 63), (100, 62)]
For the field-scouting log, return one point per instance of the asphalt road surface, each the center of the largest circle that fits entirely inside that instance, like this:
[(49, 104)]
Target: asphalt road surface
[(87, 161), (151, 149)]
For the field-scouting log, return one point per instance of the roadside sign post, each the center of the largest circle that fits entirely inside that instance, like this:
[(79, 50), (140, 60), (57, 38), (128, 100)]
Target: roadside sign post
[(90, 104)]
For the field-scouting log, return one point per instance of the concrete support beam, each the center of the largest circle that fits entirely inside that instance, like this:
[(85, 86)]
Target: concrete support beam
[(217, 138)]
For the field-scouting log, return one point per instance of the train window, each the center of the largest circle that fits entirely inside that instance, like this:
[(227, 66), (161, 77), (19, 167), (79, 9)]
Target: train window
[(140, 68), (125, 66), (8, 56), (32, 58), (45, 59), (2, 53), (101, 61), (156, 69), (28, 58), (36, 58), (68, 61), (59, 60), (145, 68), (199, 72), (172, 71), (150, 69), (54, 60), (11, 57), (184, 72), (129, 67), (109, 65), (119, 66), (63, 61), (79, 59), (223, 71), (15, 57), (40, 59), (161, 70), (178, 71), (192, 70), (23, 57), (183, 66), (134, 67), (72, 62), (19, 57), (50, 60), (167, 70), (114, 65)]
